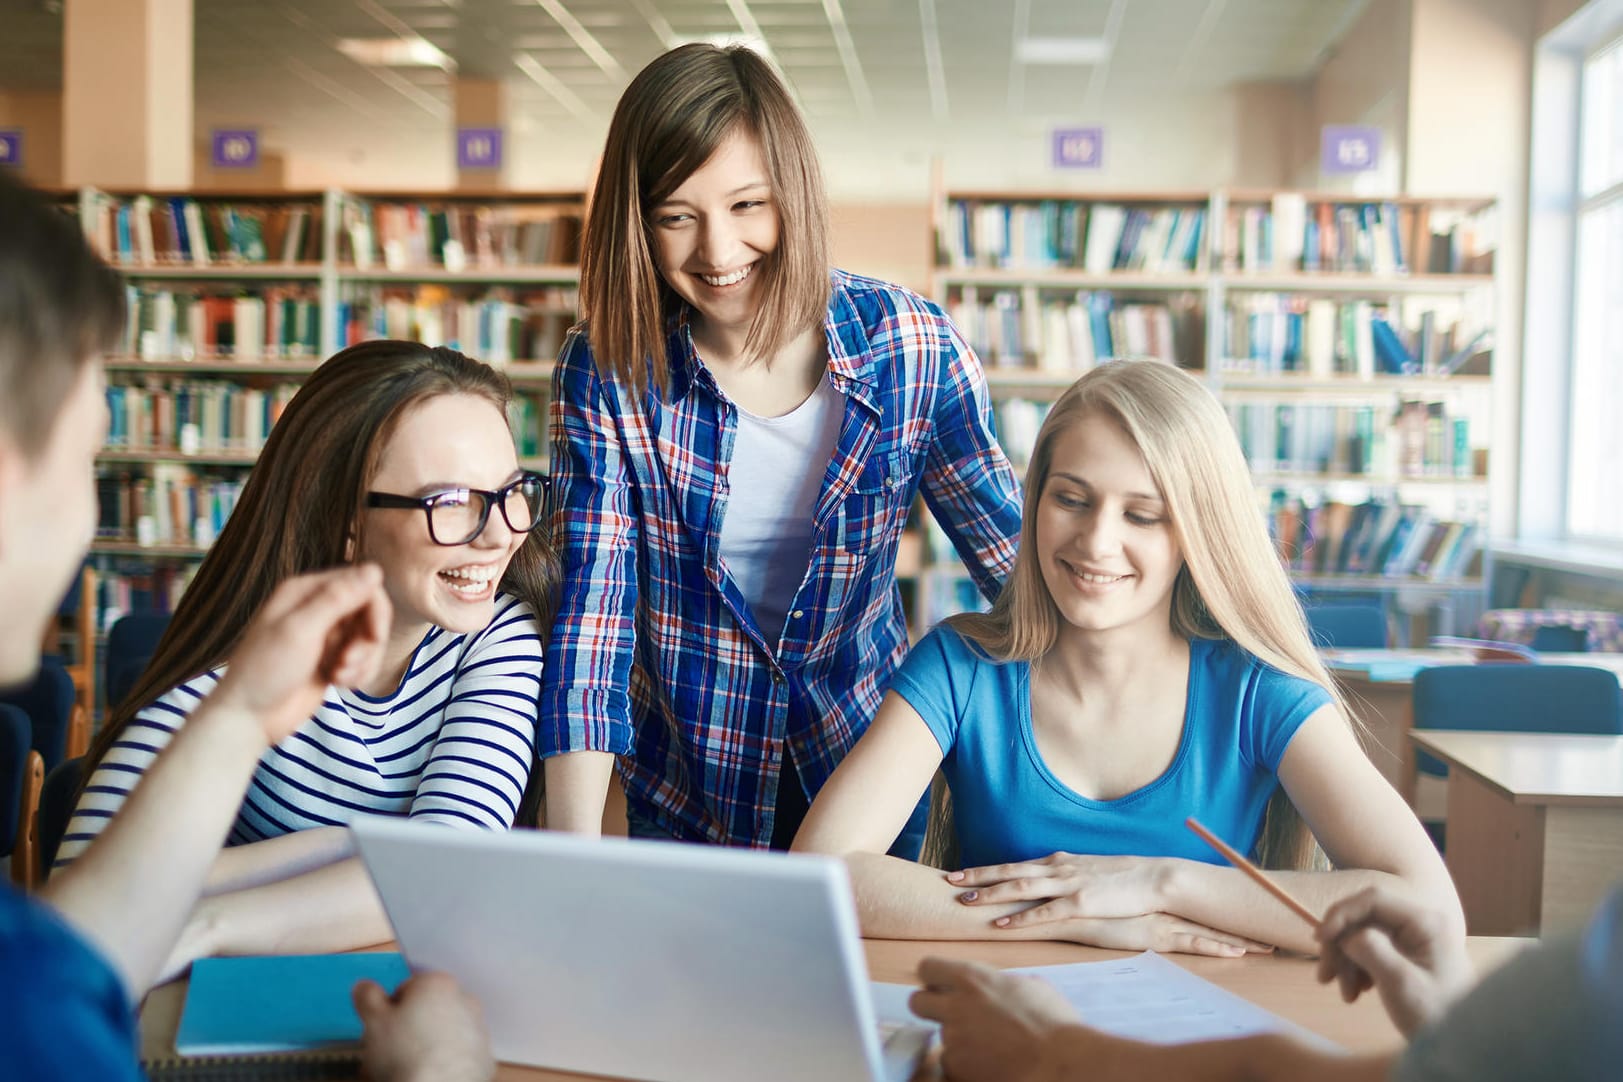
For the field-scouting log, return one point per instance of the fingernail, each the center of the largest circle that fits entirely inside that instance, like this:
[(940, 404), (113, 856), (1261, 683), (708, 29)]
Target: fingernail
[(1002, 922), (955, 877), (969, 896)]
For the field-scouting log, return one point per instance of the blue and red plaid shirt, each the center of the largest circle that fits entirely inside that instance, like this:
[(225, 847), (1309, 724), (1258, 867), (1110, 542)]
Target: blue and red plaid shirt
[(655, 655)]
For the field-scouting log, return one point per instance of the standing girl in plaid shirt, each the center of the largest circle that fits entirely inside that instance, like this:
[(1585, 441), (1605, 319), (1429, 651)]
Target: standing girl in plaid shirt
[(738, 433)]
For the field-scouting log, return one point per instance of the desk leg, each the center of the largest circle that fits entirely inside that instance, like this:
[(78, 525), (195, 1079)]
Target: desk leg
[(1496, 856), (1583, 857)]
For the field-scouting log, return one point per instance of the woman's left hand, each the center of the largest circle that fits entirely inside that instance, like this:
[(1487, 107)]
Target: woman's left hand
[(1068, 885)]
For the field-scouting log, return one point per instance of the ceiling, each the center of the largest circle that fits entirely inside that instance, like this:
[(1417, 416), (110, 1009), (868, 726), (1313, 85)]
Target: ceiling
[(917, 62)]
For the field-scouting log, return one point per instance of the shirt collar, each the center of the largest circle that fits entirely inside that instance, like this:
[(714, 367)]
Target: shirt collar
[(850, 358)]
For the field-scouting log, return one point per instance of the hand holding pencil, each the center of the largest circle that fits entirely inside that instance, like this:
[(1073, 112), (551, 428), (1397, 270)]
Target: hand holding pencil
[(1377, 939)]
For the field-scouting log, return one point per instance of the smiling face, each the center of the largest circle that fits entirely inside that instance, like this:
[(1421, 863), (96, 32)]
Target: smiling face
[(1104, 540), (713, 234), (449, 441)]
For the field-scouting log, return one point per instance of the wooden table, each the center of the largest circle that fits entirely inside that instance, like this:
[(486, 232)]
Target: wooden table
[(1535, 825), (1284, 985), (1379, 685)]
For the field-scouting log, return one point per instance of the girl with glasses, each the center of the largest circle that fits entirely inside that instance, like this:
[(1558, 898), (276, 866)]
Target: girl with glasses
[(399, 455), (739, 433)]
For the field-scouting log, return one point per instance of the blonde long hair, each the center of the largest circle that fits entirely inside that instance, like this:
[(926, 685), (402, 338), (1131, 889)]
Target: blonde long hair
[(1232, 584)]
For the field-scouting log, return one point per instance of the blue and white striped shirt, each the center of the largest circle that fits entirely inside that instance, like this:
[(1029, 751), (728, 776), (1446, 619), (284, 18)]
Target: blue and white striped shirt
[(453, 744)]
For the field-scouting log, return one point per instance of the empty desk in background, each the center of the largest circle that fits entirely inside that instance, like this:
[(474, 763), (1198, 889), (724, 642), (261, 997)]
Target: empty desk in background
[(1379, 685), (1535, 825), (1283, 985)]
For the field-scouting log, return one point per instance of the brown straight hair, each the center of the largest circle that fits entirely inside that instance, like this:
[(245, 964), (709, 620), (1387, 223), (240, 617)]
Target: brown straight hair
[(1232, 585), (669, 122), (60, 306), (300, 509)]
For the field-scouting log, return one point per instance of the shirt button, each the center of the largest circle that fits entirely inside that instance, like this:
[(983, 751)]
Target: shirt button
[(799, 613), (890, 482)]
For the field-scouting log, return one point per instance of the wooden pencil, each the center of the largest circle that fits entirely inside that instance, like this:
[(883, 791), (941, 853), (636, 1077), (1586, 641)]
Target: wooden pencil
[(1233, 857)]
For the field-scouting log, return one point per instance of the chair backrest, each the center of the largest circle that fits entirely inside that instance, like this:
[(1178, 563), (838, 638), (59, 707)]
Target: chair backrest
[(1516, 698), (1349, 627), (15, 740), (48, 704), (131, 642), (56, 809)]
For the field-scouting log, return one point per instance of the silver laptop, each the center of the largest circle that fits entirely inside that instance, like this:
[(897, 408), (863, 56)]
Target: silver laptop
[(645, 960)]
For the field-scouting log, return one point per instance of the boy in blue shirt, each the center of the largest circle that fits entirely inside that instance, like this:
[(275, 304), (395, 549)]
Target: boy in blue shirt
[(74, 961)]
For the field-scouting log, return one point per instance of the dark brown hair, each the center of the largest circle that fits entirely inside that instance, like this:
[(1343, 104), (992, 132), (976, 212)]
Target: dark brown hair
[(60, 306), (301, 507), (669, 122)]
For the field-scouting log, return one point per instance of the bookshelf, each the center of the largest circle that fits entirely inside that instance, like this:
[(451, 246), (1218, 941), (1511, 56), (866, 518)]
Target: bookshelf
[(236, 297), (1348, 338)]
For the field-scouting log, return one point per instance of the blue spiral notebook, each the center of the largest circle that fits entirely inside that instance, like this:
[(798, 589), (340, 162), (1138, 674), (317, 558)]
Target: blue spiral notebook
[(279, 1003)]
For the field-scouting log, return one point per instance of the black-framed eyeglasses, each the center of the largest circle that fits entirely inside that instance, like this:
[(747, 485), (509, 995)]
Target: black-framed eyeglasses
[(458, 515)]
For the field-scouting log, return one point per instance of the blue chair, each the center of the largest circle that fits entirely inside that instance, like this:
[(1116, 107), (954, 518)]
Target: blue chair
[(56, 799), (1510, 698), (48, 703), (131, 643), (1349, 627), (21, 775), (1513, 698)]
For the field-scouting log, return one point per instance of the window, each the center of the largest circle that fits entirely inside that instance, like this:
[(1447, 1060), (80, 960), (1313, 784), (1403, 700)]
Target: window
[(1595, 451)]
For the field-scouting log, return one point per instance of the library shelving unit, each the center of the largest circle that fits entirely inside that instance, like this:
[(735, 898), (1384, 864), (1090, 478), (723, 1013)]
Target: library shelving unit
[(1348, 337), (236, 297)]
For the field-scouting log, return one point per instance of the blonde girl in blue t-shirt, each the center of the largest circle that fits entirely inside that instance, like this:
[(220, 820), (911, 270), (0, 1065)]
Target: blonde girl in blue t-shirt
[(1146, 661)]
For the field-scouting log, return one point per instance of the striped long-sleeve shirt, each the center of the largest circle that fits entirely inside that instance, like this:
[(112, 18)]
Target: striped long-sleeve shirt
[(453, 744), (655, 655)]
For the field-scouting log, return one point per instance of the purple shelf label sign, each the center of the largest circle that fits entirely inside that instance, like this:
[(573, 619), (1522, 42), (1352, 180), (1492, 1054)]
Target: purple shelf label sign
[(1349, 148), (11, 147), (1079, 148), (234, 148), (478, 148)]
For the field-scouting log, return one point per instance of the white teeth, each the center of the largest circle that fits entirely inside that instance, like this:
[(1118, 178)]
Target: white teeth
[(476, 575), (1100, 580), (729, 279)]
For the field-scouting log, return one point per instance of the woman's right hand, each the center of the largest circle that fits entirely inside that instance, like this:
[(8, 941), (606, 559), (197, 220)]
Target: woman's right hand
[(1162, 932), (316, 630), (1407, 952)]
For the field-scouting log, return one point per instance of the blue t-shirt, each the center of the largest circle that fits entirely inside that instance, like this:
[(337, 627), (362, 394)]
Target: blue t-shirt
[(63, 1011), (1009, 806)]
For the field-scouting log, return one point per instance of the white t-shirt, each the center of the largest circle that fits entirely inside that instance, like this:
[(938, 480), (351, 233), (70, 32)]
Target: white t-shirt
[(773, 480)]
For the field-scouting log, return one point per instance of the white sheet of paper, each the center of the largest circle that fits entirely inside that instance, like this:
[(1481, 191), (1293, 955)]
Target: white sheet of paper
[(1149, 998)]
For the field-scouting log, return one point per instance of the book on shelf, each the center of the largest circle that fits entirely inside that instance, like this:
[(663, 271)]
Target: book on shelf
[(455, 236), (527, 418), (1377, 538), (1323, 338), (150, 230), (1097, 237), (249, 325), (1070, 332), (167, 505), (1416, 440), (193, 416), (138, 587), (498, 326), (1015, 422), (1290, 232)]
